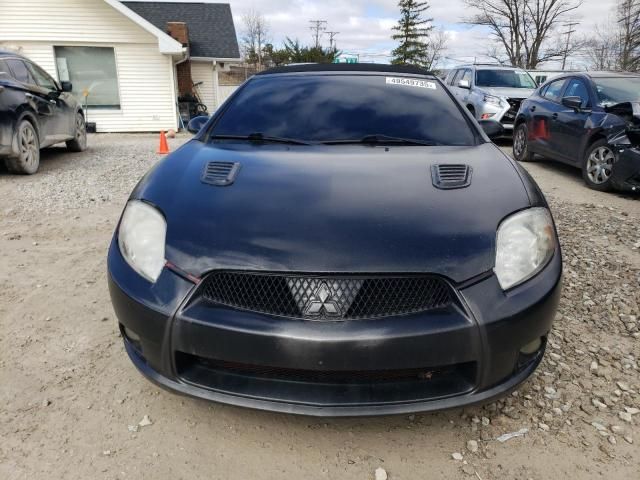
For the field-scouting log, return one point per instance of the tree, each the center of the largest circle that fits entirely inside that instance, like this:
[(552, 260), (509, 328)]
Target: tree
[(525, 30), (294, 52), (255, 37), (616, 45), (629, 35), (435, 47), (275, 57), (602, 49), (412, 33)]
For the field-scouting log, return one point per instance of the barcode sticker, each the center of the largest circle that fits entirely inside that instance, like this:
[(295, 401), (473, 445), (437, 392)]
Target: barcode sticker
[(410, 82)]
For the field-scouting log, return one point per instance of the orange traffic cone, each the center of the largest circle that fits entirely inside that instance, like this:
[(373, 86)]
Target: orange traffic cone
[(164, 147)]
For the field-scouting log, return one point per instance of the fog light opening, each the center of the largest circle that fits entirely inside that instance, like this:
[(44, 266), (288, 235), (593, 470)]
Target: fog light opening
[(132, 337), (531, 347)]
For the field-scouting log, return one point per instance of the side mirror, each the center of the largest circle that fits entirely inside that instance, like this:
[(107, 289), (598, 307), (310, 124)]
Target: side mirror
[(464, 84), (492, 128), (66, 86), (196, 123), (572, 102)]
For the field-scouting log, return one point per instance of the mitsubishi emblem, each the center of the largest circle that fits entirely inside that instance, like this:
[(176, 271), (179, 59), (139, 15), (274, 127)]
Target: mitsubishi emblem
[(321, 303)]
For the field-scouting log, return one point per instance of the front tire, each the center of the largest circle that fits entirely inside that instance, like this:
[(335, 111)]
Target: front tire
[(28, 159), (79, 142), (597, 166), (521, 151)]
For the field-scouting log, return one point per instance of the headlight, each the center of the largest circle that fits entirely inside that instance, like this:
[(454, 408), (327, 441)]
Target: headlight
[(493, 100), (524, 243), (141, 239)]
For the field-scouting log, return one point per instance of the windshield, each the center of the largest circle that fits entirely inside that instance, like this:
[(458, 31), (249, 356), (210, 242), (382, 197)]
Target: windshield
[(345, 107), (504, 79), (614, 90)]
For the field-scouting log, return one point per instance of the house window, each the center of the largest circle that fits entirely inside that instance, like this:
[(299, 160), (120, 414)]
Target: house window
[(92, 71)]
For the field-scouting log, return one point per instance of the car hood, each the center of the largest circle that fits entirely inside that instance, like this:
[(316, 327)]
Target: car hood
[(508, 92), (320, 209)]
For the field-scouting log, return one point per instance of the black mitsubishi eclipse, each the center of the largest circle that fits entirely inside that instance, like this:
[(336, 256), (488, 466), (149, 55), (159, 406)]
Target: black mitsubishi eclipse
[(337, 240)]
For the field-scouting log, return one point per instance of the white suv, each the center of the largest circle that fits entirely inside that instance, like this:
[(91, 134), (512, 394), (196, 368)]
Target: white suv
[(491, 92)]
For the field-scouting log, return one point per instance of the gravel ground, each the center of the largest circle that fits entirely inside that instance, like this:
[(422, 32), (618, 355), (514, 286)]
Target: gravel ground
[(74, 407)]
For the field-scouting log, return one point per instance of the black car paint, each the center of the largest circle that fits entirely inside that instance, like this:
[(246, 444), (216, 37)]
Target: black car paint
[(53, 113), (327, 209), (572, 131), (339, 223)]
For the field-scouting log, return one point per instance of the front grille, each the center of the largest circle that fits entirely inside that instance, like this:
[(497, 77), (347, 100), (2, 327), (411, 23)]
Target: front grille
[(326, 297), (510, 116)]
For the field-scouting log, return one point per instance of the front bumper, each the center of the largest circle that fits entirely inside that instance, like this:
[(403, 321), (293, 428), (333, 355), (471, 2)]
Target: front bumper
[(626, 171), (465, 354), (505, 114)]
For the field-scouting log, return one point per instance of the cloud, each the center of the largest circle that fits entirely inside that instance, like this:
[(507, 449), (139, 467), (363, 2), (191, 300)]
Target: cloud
[(365, 25)]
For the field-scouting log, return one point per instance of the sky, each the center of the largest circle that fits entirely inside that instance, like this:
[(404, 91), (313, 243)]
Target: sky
[(364, 26)]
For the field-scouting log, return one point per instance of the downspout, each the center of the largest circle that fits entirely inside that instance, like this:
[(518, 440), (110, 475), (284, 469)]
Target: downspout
[(187, 57)]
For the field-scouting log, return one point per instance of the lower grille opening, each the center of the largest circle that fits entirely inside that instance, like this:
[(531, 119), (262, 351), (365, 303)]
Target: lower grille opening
[(326, 387)]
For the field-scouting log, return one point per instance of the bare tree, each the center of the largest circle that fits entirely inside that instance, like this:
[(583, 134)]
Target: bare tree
[(436, 45), (629, 34), (616, 44), (525, 30), (602, 49), (255, 36)]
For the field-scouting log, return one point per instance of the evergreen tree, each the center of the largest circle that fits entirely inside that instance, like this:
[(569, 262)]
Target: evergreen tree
[(412, 33)]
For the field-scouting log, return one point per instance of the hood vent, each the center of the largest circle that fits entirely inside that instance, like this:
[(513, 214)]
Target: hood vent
[(220, 174), (447, 176)]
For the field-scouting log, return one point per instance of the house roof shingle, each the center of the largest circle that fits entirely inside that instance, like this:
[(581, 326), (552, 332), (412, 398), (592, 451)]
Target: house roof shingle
[(211, 30)]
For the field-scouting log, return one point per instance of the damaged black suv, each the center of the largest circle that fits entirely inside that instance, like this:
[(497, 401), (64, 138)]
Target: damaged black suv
[(590, 120)]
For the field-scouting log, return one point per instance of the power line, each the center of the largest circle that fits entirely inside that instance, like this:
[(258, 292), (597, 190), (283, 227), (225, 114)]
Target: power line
[(317, 26)]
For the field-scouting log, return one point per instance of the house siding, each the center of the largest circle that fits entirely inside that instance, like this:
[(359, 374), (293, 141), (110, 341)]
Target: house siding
[(68, 21), (204, 72), (226, 91), (145, 76)]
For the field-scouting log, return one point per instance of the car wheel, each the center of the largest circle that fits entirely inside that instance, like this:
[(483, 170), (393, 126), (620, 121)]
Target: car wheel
[(79, 142), (28, 158), (521, 150), (597, 166)]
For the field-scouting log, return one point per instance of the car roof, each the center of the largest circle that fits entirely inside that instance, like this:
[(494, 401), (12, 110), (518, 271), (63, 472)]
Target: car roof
[(602, 74), (347, 67), (592, 75)]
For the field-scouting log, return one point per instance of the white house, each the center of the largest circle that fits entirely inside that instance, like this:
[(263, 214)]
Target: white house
[(132, 60)]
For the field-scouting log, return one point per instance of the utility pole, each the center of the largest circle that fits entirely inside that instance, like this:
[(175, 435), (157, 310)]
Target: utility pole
[(331, 35), (317, 26), (568, 33)]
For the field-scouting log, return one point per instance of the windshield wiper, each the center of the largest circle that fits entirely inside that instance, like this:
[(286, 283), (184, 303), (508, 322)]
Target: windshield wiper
[(379, 138), (260, 137)]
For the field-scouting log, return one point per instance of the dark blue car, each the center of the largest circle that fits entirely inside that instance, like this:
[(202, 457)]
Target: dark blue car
[(337, 240), (589, 120)]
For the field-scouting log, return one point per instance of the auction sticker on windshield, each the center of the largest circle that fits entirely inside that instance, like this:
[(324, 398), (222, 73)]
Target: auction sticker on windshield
[(410, 82)]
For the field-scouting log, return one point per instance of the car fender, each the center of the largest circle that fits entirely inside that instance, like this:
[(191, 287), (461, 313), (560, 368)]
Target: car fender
[(605, 126)]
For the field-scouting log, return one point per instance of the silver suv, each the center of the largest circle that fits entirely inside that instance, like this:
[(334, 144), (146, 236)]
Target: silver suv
[(491, 91)]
